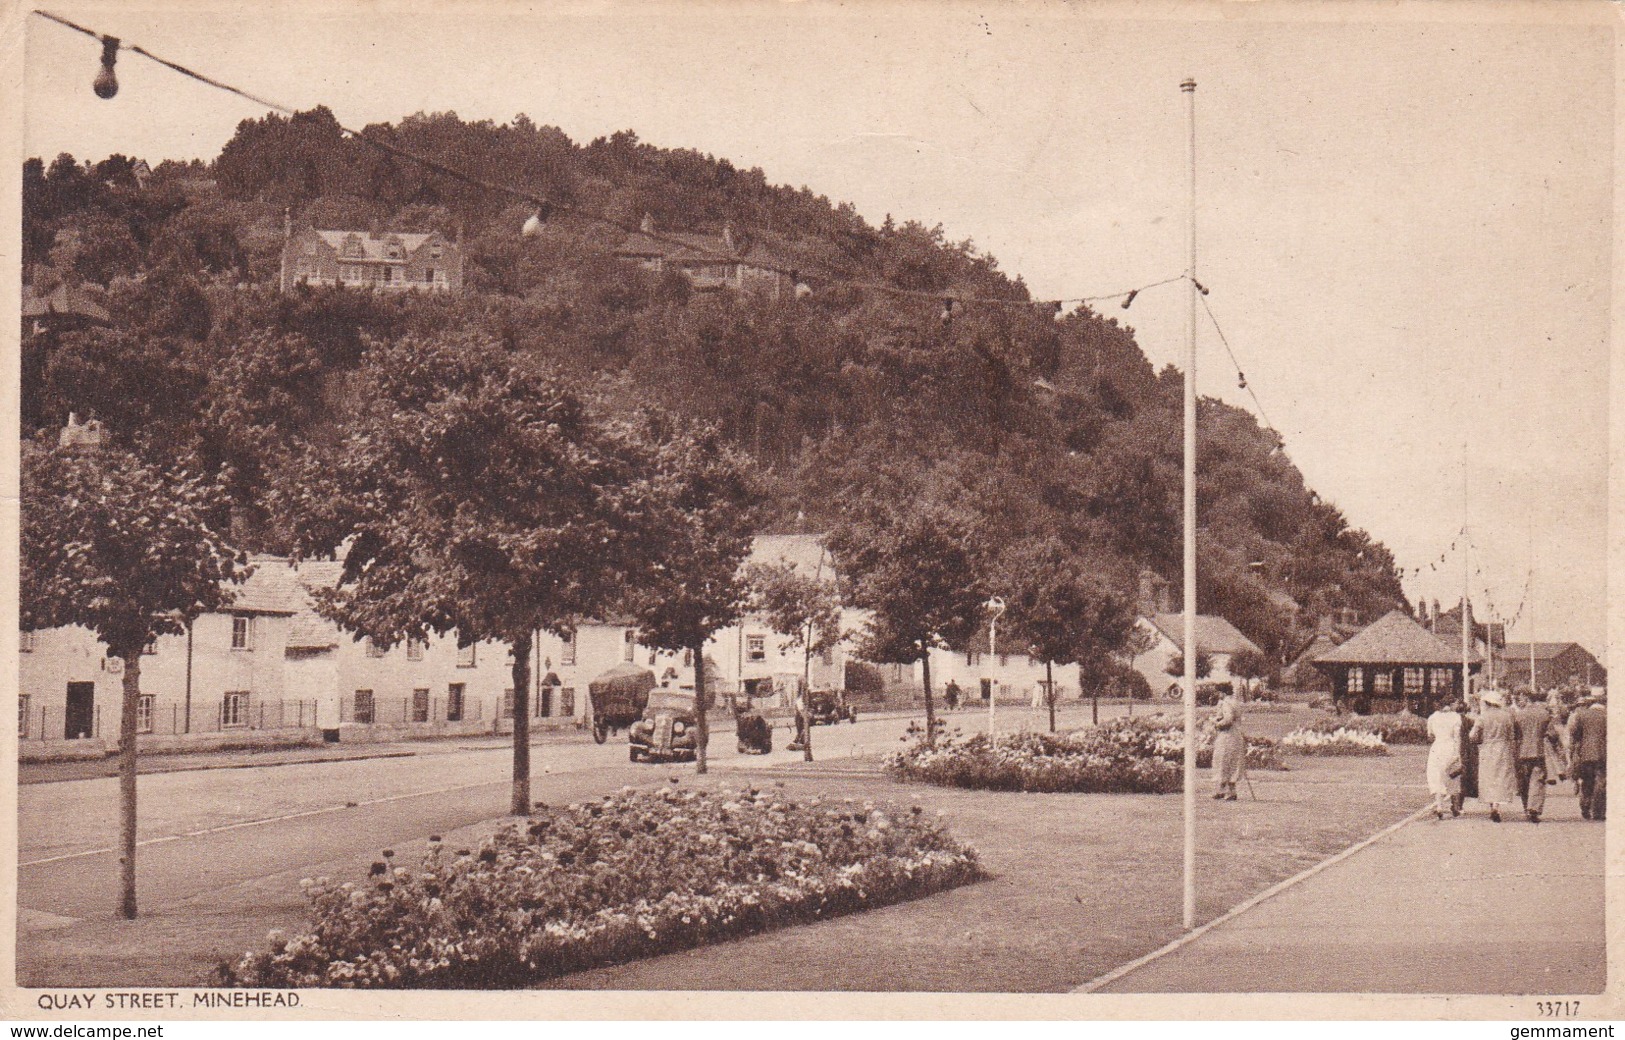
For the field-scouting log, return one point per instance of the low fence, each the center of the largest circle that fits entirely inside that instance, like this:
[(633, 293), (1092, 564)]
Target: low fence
[(410, 709), (166, 720)]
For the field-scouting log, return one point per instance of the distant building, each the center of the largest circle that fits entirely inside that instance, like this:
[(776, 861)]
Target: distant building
[(1556, 664), (388, 261), (63, 309), (730, 260), (1215, 637)]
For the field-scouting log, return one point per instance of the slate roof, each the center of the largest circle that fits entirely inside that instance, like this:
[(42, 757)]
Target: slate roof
[(1394, 639), (65, 300), (1543, 651), (271, 589), (1214, 634), (372, 246)]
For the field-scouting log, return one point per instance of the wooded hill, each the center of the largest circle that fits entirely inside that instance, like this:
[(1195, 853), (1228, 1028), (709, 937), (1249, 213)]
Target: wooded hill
[(1037, 426)]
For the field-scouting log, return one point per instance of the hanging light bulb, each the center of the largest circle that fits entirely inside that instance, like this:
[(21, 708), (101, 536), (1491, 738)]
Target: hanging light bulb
[(533, 223), (1129, 299), (1199, 287), (1241, 379), (106, 83)]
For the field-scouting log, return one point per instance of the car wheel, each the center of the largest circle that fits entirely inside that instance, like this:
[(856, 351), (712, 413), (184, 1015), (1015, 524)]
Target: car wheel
[(633, 754)]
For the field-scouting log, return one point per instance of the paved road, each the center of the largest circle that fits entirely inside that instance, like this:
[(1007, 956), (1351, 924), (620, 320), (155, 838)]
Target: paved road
[(202, 830)]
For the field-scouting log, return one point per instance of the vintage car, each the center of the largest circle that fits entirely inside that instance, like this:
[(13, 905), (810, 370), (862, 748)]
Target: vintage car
[(831, 706), (618, 698), (666, 731)]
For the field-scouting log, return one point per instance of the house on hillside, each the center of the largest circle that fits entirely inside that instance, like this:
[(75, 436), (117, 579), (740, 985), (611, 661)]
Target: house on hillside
[(66, 308), (387, 261), (1555, 664), (1215, 637), (731, 260), (1011, 675)]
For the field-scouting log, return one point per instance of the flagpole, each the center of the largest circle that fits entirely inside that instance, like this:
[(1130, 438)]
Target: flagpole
[(1190, 648)]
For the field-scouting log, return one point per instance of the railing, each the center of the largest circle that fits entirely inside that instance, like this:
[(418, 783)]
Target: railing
[(406, 710), (169, 719)]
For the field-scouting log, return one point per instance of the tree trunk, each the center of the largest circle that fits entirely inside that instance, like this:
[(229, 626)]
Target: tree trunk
[(930, 713), (126, 781), (521, 725), (702, 707), (806, 697), (1049, 695)]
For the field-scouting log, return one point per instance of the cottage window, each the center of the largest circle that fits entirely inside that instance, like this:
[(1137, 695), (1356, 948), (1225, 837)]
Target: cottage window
[(428, 275), (435, 251), (1415, 681), (507, 703), (365, 707), (756, 648), (567, 701), (567, 652), (242, 632), (827, 655), (143, 713), (465, 656), (454, 702), (1383, 683), (22, 715), (414, 650), (25, 641), (373, 649), (234, 709), (352, 246), (970, 659), (420, 705)]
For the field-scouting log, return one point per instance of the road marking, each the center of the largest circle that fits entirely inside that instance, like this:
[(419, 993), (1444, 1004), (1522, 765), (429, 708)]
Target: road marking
[(241, 824), (1236, 911)]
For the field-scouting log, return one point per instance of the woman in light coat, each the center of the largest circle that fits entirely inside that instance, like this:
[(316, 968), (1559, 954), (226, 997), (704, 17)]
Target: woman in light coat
[(1497, 738), (1229, 748), (1444, 759)]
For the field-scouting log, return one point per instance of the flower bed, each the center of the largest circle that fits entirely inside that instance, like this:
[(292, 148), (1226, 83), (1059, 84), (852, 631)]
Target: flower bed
[(1393, 729), (638, 874), (1168, 740), (1097, 760), (1310, 741)]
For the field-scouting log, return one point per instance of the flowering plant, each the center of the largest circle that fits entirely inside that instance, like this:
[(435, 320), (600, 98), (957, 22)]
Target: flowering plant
[(1341, 741), (1167, 736), (638, 874), (1403, 728), (1096, 760)]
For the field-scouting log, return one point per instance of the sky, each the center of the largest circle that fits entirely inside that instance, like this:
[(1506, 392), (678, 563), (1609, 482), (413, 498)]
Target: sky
[(1405, 224)]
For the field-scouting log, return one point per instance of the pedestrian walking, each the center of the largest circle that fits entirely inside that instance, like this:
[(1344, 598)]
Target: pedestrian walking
[(951, 695), (1533, 723), (1469, 756), (1496, 736), (1588, 733), (1444, 760), (1229, 748)]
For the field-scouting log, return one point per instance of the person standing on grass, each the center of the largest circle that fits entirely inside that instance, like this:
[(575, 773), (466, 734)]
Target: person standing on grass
[(1444, 760), (1534, 726), (1496, 736), (1588, 735), (1229, 748), (950, 696)]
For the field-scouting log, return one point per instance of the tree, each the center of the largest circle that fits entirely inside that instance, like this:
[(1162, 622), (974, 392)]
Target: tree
[(473, 493), (917, 567), (1248, 663), (805, 609), (122, 547), (1204, 665), (692, 583), (1067, 613)]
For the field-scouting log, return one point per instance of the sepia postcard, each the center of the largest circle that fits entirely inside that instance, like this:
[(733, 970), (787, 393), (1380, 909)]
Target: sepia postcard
[(761, 510)]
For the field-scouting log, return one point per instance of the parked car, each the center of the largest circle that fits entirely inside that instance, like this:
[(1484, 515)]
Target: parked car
[(831, 706), (666, 731)]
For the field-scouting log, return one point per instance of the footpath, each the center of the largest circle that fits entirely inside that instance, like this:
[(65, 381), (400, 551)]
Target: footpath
[(1459, 906)]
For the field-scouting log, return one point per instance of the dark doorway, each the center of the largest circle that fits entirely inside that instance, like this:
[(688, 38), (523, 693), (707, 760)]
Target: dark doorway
[(81, 710), (987, 689)]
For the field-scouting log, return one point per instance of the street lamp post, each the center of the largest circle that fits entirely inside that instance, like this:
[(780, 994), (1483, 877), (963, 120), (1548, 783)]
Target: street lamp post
[(995, 608), (1189, 89)]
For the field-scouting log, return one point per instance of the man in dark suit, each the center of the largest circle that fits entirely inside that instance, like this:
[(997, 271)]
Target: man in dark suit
[(1533, 723), (1588, 730)]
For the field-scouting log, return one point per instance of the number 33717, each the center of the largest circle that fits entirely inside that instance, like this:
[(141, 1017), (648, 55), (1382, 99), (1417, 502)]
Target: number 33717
[(1557, 1008)]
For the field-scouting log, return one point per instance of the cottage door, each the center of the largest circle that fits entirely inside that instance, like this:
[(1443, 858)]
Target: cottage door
[(81, 714)]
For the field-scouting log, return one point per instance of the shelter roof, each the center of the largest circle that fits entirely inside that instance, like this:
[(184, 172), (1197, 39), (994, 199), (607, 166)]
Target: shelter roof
[(1395, 638)]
